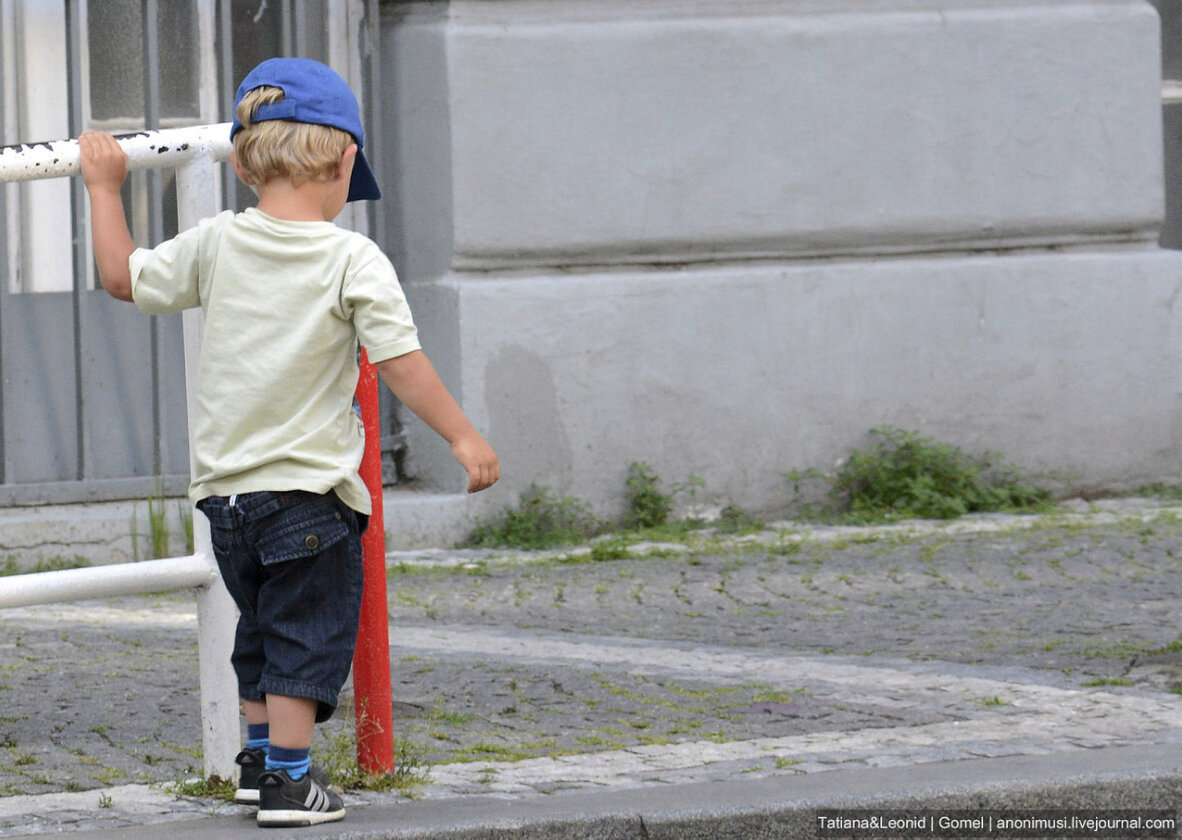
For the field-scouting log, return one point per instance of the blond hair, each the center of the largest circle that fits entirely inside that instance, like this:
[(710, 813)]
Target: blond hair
[(284, 148)]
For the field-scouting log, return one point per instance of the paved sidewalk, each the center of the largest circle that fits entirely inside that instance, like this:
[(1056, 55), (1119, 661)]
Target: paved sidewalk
[(732, 687)]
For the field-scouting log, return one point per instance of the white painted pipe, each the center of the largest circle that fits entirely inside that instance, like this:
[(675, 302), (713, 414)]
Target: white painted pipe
[(167, 148), (189, 572), (217, 616)]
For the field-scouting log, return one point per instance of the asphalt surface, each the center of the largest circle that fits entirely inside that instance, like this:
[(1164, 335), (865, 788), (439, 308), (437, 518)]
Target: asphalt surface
[(732, 685)]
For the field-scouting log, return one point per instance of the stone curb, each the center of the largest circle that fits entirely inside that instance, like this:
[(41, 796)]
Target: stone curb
[(781, 806)]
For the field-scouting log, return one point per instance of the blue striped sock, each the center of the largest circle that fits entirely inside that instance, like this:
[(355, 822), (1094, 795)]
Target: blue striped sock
[(258, 736), (294, 761)]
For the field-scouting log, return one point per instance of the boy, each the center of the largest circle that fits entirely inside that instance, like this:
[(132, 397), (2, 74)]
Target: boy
[(287, 297)]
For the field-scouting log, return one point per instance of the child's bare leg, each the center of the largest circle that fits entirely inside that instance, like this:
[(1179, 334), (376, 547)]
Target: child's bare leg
[(255, 711), (292, 720)]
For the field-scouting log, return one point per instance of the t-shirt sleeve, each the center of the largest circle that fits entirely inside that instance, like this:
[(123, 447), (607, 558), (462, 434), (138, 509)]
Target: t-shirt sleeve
[(166, 278), (373, 298)]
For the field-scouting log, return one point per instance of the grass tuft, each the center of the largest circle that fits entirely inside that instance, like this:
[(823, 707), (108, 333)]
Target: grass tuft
[(647, 506), (902, 475), (541, 520)]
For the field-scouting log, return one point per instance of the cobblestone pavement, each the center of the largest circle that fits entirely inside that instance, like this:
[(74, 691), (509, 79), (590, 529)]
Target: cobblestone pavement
[(793, 651)]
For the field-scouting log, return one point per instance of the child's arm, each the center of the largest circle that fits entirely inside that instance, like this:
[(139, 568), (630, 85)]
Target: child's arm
[(104, 168), (413, 380)]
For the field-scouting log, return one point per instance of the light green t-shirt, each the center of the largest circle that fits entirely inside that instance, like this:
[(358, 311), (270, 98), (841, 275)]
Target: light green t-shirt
[(285, 305)]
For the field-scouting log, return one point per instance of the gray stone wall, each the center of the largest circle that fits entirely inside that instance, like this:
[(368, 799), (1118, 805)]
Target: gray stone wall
[(729, 238)]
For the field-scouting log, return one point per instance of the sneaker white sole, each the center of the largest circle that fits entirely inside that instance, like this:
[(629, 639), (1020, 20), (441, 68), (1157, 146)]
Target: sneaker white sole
[(293, 819), (247, 796)]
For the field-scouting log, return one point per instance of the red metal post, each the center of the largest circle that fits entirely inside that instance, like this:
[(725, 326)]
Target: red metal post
[(371, 662)]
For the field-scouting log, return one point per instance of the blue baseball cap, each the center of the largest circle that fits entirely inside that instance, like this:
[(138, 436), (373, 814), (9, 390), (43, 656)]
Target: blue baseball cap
[(312, 93)]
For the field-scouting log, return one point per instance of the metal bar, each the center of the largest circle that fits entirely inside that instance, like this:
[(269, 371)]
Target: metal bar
[(151, 65), (372, 93), (298, 17), (80, 256), (4, 278), (29, 590), (287, 29), (152, 116), (227, 86), (169, 147)]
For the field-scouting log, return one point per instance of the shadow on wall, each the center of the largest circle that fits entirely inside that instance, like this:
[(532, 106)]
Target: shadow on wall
[(524, 420)]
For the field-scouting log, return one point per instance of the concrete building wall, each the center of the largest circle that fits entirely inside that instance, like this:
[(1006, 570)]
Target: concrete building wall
[(730, 238)]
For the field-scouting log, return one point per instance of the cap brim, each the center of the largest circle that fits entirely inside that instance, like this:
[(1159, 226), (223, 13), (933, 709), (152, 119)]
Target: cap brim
[(363, 186)]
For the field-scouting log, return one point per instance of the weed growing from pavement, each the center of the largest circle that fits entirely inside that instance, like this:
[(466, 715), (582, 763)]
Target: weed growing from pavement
[(901, 475), (1161, 490), (337, 753), (484, 751), (614, 548), (541, 520), (49, 564), (544, 520), (734, 520), (648, 507), (905, 476), (158, 526), (215, 787), (1105, 681)]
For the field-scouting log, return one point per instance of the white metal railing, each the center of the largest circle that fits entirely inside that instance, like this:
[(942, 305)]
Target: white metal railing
[(194, 153)]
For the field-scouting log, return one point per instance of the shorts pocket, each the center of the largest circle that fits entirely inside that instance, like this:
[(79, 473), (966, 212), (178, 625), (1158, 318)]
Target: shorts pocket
[(303, 529), (221, 522)]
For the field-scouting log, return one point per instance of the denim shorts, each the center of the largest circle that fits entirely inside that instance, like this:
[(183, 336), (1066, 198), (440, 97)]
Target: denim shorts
[(292, 563)]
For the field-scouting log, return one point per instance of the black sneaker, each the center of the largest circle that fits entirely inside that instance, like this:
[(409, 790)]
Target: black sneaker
[(252, 763), (286, 803)]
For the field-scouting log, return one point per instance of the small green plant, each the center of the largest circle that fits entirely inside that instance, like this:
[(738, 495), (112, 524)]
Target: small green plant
[(540, 520), (105, 801), (615, 548), (1170, 647), (158, 526), (135, 537), (648, 507), (1114, 681), (338, 755), (159, 534), (994, 701), (185, 514), (902, 475), (734, 520), (215, 787), (49, 564), (1161, 490)]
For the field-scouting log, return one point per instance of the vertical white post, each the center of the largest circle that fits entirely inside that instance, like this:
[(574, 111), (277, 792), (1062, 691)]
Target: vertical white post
[(217, 616)]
